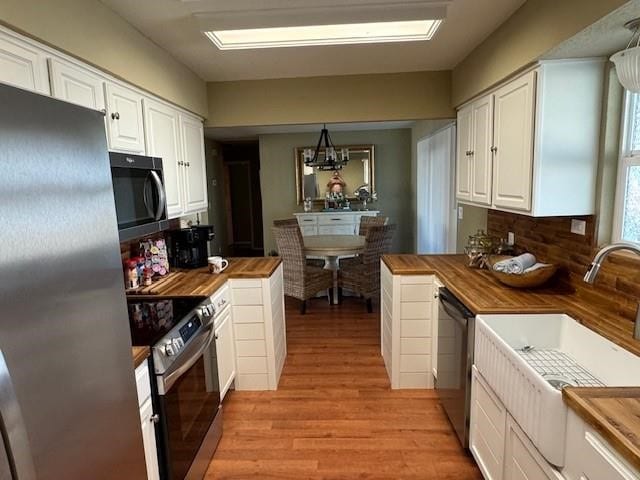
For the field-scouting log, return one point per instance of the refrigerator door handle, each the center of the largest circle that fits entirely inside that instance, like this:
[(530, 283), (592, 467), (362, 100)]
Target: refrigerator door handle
[(161, 195), (14, 432)]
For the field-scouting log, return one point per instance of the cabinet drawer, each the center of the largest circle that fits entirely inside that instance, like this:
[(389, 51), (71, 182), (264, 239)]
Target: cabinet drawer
[(237, 284), (247, 314), (415, 310), (416, 293), (307, 220), (252, 365), (247, 296), (308, 230), (522, 461), (251, 348), (415, 328), (336, 219), (143, 382), (599, 461), (249, 331), (336, 229)]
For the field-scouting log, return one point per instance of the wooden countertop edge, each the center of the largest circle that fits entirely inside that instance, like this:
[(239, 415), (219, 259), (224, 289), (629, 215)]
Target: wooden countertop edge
[(573, 399), (140, 354), (275, 263)]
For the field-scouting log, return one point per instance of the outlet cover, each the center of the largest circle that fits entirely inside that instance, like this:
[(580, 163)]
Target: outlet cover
[(511, 238), (460, 212), (579, 227)]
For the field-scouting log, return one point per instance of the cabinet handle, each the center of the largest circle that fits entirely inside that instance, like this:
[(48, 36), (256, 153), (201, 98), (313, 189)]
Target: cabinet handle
[(180, 162), (494, 149), (115, 116), (216, 336), (472, 153), (187, 164), (154, 418)]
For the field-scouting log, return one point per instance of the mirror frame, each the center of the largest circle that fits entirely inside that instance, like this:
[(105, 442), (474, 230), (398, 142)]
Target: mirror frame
[(299, 163)]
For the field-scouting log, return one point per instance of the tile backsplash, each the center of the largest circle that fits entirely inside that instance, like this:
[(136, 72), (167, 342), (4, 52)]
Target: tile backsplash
[(617, 287)]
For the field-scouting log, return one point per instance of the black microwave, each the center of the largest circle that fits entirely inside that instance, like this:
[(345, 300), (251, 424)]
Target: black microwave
[(138, 190)]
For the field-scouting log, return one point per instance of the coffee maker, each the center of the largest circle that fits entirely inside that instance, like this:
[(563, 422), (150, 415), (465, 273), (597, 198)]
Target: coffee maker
[(189, 246)]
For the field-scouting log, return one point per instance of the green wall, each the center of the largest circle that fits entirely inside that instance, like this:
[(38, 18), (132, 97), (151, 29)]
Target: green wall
[(392, 176)]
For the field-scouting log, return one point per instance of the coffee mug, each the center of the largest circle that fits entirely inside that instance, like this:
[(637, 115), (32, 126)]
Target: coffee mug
[(217, 264)]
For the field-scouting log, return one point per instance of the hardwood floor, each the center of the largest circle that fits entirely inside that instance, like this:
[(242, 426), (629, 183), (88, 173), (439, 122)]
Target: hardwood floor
[(334, 416)]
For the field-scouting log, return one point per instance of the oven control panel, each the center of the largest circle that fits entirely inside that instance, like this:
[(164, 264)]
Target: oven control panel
[(174, 342)]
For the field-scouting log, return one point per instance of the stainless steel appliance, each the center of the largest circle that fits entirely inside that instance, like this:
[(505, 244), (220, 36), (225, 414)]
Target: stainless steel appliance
[(139, 194), (456, 326), (68, 403), (186, 391)]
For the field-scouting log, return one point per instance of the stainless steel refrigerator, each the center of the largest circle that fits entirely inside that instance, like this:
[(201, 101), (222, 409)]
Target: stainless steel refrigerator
[(68, 404)]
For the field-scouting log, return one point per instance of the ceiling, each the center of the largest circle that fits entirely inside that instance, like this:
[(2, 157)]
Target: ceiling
[(171, 25)]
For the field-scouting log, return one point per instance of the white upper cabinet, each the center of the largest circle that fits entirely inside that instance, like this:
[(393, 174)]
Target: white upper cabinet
[(481, 152), (464, 152), (75, 84), (195, 170), (162, 132), (124, 119), (23, 65), (521, 145), (513, 136)]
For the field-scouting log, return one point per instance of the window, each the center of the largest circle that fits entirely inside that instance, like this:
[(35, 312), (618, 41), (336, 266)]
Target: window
[(626, 226)]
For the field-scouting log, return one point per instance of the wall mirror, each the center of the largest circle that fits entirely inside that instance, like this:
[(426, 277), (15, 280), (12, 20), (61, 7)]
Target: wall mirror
[(314, 183)]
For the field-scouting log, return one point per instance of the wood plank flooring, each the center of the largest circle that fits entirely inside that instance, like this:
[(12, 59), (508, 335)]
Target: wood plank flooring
[(334, 416)]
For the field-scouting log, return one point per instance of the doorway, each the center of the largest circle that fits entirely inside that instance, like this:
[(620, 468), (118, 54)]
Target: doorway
[(243, 199), (437, 223)]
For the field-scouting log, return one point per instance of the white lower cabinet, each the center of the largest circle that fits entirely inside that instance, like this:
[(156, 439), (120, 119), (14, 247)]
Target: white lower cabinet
[(332, 223), (225, 352), (487, 429), (147, 419), (259, 331), (407, 316), (590, 457)]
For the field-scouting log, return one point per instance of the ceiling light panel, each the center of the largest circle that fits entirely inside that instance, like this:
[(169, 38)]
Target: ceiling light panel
[(342, 34)]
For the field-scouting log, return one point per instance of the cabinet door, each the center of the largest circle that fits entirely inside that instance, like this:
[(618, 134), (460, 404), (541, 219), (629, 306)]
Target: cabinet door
[(192, 136), (149, 440), (73, 84), (513, 139), (336, 229), (487, 430), (162, 133), (124, 119), (23, 65), (463, 154), (481, 156), (226, 352), (522, 461)]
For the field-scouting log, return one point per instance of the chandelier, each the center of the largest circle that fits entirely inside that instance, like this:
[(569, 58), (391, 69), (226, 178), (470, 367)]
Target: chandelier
[(627, 61), (325, 157)]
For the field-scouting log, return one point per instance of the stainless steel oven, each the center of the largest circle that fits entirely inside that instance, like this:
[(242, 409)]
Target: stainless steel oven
[(138, 190), (456, 326), (188, 395)]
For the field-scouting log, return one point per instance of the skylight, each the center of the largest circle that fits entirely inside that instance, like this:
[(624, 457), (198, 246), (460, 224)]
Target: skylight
[(302, 36)]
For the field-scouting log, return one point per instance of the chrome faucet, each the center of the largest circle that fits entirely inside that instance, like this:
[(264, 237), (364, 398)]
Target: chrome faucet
[(594, 268)]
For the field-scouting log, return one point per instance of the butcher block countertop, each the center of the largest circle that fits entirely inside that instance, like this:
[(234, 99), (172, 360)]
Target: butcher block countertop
[(612, 412), (200, 283), (140, 354)]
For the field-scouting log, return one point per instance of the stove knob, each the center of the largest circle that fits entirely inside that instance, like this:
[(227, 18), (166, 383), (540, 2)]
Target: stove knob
[(169, 351)]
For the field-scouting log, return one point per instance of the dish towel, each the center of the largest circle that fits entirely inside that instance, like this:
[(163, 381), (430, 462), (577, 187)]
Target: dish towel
[(516, 265)]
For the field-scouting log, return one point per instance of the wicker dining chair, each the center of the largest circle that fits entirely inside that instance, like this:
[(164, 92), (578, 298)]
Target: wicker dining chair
[(301, 281), (366, 222), (363, 275), (287, 222)]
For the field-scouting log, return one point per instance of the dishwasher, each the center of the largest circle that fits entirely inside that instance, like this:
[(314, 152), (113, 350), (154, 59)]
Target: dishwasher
[(456, 324)]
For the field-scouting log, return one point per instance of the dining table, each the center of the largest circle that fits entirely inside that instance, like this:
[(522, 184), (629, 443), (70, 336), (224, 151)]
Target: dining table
[(331, 248)]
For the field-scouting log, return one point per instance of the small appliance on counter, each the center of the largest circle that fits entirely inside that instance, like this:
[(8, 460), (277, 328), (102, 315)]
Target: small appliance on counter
[(190, 246)]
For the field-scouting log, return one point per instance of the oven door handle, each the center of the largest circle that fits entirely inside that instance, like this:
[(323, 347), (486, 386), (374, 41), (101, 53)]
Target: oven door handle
[(161, 194), (170, 377)]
